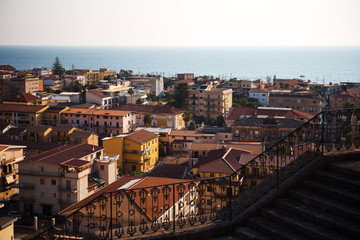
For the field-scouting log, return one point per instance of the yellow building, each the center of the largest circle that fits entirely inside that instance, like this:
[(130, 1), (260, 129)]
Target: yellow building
[(210, 102), (24, 99), (139, 151), (7, 227), (10, 156), (21, 115)]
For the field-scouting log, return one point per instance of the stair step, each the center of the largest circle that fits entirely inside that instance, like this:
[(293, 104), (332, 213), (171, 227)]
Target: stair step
[(347, 167), (300, 225), (339, 179), (333, 191), (326, 203), (246, 233), (273, 230), (319, 216)]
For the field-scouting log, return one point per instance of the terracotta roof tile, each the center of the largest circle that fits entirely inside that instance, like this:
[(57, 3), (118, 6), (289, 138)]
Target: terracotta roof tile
[(30, 144), (25, 97), (21, 108), (91, 111), (98, 93), (39, 128), (63, 128), (141, 136)]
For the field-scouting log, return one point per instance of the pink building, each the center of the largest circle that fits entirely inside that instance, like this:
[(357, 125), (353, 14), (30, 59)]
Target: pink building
[(99, 120)]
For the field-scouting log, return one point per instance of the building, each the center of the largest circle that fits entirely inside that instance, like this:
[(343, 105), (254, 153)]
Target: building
[(24, 98), (10, 156), (210, 102), (138, 151), (152, 85), (238, 113), (305, 101), (54, 82), (267, 130), (163, 134), (139, 205), (106, 101), (21, 115), (106, 73), (73, 79), (162, 116), (19, 85), (61, 134), (40, 71), (338, 100), (52, 115), (260, 94), (53, 180), (79, 137), (169, 171), (32, 148), (15, 133), (181, 140), (240, 87), (39, 133), (99, 120), (7, 227), (185, 76)]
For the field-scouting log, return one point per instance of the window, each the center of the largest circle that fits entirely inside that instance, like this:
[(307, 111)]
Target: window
[(42, 181), (212, 175), (133, 167), (3, 157), (42, 194), (53, 182), (54, 195), (68, 184), (41, 169), (68, 196), (102, 167)]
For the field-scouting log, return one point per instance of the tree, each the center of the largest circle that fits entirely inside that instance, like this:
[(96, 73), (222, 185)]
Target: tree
[(192, 126), (139, 101), (220, 121), (131, 92), (181, 96), (187, 118), (148, 119), (57, 67), (348, 104)]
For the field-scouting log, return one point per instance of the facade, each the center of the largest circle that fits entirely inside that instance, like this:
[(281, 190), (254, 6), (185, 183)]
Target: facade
[(260, 94), (305, 101), (210, 102), (21, 115), (106, 73), (54, 82), (338, 100), (24, 99), (138, 151), (267, 130), (163, 116), (61, 133), (7, 227), (39, 133), (32, 148), (52, 115), (10, 156), (99, 120), (52, 181), (19, 85), (238, 113), (155, 85), (240, 87), (106, 101), (185, 76)]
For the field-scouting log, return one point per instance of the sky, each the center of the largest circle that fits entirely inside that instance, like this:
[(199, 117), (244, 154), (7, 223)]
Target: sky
[(180, 22)]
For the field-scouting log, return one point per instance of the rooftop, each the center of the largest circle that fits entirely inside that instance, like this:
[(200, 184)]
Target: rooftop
[(21, 108), (141, 136), (92, 111), (150, 109)]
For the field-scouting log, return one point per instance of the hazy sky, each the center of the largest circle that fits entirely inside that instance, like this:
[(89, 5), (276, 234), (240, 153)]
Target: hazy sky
[(180, 22)]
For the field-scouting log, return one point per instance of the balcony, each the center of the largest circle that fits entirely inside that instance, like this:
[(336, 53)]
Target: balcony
[(65, 189), (77, 175), (39, 173)]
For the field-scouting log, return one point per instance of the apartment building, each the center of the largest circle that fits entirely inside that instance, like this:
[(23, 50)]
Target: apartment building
[(99, 120), (260, 94), (338, 100), (54, 82), (162, 116), (106, 73), (53, 180), (305, 101), (19, 85), (10, 156), (152, 85), (185, 76), (210, 102), (39, 133), (138, 151), (101, 98), (267, 130), (52, 115), (238, 113), (22, 115), (240, 87)]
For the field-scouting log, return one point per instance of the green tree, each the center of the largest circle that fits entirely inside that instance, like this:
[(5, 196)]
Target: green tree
[(220, 121), (349, 104), (148, 119), (139, 101), (192, 126), (58, 68), (187, 118), (131, 92), (181, 96)]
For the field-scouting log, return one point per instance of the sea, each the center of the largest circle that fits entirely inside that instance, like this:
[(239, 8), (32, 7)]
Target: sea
[(318, 64)]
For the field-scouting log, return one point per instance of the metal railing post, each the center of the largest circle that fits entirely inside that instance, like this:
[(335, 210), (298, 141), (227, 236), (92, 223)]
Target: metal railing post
[(174, 208)]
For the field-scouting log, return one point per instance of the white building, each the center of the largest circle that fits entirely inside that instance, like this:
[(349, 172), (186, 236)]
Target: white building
[(261, 94)]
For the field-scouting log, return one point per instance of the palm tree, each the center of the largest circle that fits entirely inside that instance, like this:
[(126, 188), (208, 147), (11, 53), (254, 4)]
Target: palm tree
[(187, 118), (148, 119), (131, 92)]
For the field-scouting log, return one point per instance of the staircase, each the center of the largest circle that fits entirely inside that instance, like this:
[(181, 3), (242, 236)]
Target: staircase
[(324, 206)]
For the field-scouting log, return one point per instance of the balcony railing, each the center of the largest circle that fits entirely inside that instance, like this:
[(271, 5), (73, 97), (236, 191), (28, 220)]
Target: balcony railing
[(195, 203)]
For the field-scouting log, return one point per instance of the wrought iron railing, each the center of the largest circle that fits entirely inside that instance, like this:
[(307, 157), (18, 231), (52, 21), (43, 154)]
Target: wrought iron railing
[(162, 209)]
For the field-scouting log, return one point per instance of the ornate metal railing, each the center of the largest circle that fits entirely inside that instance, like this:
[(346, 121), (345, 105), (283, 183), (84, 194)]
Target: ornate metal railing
[(162, 209)]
